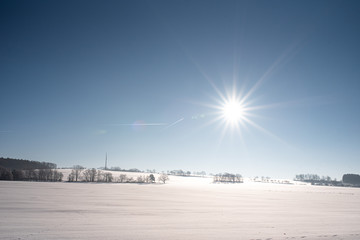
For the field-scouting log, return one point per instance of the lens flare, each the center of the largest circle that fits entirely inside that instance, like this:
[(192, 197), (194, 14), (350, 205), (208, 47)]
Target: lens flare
[(233, 111)]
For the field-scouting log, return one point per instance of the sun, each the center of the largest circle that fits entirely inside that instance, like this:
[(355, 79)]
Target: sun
[(233, 111)]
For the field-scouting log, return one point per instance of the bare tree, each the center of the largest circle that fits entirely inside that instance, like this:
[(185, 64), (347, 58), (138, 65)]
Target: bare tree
[(71, 177), (86, 175), (238, 178), (49, 175), (163, 178), (17, 175), (77, 169), (100, 176), (140, 179), (108, 177), (93, 175), (5, 174), (122, 178), (89, 175), (42, 174), (58, 176)]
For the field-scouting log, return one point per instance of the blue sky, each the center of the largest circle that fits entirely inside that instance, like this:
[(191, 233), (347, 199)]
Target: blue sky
[(76, 74)]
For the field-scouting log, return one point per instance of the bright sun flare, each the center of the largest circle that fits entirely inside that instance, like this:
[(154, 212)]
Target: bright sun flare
[(233, 111)]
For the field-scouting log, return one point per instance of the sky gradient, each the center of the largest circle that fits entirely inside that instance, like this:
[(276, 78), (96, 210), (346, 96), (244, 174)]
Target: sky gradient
[(76, 75)]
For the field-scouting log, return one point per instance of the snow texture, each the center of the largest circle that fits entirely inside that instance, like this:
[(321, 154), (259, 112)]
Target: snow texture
[(183, 208)]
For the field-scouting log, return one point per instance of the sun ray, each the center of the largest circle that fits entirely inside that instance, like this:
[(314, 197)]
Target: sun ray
[(267, 132)]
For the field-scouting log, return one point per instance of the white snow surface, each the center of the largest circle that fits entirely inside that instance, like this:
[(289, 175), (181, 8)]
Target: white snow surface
[(183, 208)]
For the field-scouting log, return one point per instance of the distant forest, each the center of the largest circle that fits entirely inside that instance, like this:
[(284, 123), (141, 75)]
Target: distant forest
[(21, 164), (26, 170), (353, 179)]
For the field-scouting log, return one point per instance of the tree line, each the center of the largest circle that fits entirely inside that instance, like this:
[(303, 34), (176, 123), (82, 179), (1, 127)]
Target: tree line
[(123, 178), (79, 173), (25, 170), (181, 172), (227, 178), (352, 179), (314, 179), (38, 175), (307, 177), (124, 170), (12, 163)]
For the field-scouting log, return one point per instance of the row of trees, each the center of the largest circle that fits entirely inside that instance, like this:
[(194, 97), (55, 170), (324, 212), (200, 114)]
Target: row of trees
[(315, 179), (41, 175), (123, 178), (89, 175), (311, 177), (79, 173), (347, 180), (78, 168), (227, 178), (124, 170), (181, 172)]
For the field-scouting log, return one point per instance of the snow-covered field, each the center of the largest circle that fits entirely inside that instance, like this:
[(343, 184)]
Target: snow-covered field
[(183, 208)]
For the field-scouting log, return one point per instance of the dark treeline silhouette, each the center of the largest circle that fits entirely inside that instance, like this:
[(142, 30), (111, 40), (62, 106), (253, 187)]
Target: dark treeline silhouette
[(179, 172), (184, 173), (352, 179), (6, 174), (307, 177), (124, 170), (79, 173), (12, 163), (348, 180), (41, 175), (227, 178), (315, 179), (25, 170)]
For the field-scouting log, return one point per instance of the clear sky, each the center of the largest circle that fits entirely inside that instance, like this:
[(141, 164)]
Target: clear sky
[(76, 75)]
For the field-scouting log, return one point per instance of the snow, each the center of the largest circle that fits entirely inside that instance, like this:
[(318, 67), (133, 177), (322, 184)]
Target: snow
[(183, 208)]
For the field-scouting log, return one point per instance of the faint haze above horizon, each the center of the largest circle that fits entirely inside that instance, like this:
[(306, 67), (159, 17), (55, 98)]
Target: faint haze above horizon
[(261, 88)]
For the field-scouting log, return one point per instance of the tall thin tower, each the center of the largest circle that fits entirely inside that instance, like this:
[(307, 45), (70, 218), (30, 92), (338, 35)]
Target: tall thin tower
[(106, 161)]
